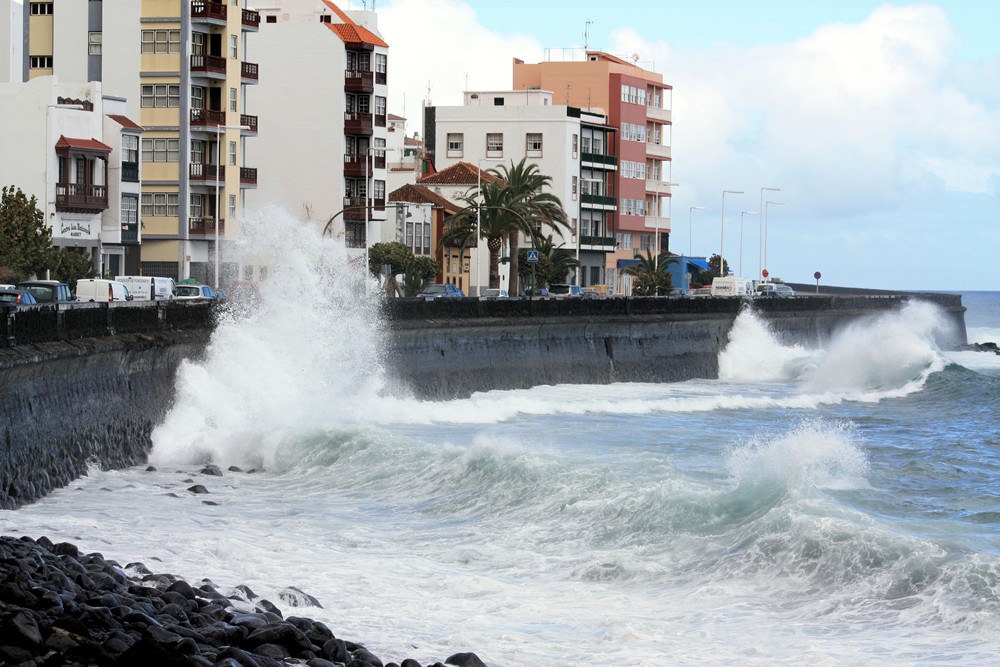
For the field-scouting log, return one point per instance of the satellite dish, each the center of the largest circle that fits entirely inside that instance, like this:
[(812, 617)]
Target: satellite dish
[(635, 57)]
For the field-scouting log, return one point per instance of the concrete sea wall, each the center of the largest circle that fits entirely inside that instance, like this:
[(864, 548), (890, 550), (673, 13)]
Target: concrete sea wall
[(87, 384)]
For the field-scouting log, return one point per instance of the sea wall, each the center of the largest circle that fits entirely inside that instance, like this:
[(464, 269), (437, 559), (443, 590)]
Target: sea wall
[(87, 384)]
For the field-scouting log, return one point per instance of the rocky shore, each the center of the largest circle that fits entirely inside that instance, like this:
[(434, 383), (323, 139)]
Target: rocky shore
[(61, 608)]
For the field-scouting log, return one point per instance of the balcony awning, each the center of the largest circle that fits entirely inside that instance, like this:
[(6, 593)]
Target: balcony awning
[(67, 145)]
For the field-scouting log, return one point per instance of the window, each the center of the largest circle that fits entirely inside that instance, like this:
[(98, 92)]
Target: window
[(379, 105), (234, 47), (494, 142), (161, 41), (197, 97), (40, 62), (41, 9), (130, 211), (232, 99), (130, 148), (535, 142), (498, 101), (232, 152), (378, 191), (576, 145), (232, 206), (197, 208), (198, 44), (94, 44), (160, 150), (159, 204), (381, 62), (325, 18), (197, 151), (455, 144), (270, 19), (575, 186), (161, 95)]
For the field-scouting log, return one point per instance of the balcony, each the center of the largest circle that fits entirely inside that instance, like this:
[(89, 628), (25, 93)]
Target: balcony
[(654, 222), (248, 121), (359, 82), (358, 124), (214, 67), (599, 243), (81, 198), (207, 118), (205, 173), (206, 11), (356, 166), (250, 20), (598, 161), (658, 114), (248, 176), (658, 151), (599, 201), (248, 72), (205, 227)]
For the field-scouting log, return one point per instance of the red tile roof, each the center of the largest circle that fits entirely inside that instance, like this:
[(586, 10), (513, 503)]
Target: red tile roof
[(418, 194), (460, 173), (351, 32), (125, 121), (92, 145)]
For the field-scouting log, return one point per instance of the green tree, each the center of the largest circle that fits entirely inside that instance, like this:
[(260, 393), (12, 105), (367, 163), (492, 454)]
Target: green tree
[(705, 277), (70, 264), (553, 266), (486, 209), (651, 275), (421, 271), (394, 254), (25, 239), (531, 210)]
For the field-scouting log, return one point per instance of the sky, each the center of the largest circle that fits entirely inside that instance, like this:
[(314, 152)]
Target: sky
[(879, 122)]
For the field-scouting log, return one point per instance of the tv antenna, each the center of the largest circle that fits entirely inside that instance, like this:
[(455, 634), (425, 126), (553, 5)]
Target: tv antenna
[(586, 34)]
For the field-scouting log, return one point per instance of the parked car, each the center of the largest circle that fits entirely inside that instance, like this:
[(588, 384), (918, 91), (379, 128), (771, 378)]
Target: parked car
[(195, 293), (594, 293), (149, 288), (48, 291), (563, 291), (101, 291), (537, 293), (774, 290), (441, 291), (491, 294), (16, 297)]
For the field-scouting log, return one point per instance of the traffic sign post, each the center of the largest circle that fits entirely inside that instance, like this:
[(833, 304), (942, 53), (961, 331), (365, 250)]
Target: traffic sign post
[(817, 276), (532, 257)]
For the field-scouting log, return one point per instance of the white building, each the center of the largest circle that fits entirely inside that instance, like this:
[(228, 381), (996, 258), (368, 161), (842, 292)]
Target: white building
[(76, 151), (572, 146), (324, 125)]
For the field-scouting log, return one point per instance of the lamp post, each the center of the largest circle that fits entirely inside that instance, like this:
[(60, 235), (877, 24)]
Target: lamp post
[(690, 228), (760, 232), (219, 129), (743, 213), (766, 204), (722, 238)]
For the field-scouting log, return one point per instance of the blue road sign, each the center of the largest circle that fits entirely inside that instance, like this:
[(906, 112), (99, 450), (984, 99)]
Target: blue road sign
[(532, 256)]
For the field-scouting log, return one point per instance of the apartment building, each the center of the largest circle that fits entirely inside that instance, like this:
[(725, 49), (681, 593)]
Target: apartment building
[(574, 147), (181, 71), (637, 103), (323, 110)]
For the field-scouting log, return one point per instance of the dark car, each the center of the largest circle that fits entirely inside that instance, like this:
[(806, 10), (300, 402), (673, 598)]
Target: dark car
[(537, 293), (16, 297), (48, 291), (441, 291)]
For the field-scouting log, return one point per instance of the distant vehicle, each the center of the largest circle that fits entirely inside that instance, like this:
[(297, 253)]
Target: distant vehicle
[(490, 294), (16, 297), (594, 293), (563, 291), (700, 291), (195, 293), (774, 290), (537, 293), (149, 288), (731, 286), (100, 290), (8, 287), (441, 291), (48, 291)]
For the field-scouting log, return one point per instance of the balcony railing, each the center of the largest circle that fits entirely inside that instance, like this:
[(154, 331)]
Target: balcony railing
[(248, 71), (206, 172), (246, 120), (598, 159), (356, 166), (603, 242), (208, 117), (356, 81), (206, 9), (251, 19), (208, 64), (358, 124), (81, 198), (598, 200), (354, 235), (205, 227), (248, 175)]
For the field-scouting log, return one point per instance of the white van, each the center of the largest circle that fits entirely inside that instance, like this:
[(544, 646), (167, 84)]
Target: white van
[(101, 291), (732, 286), (149, 288)]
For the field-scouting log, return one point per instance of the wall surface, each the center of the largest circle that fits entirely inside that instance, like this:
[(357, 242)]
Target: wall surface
[(88, 383)]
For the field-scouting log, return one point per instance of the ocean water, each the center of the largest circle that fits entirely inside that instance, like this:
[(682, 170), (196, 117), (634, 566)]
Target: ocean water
[(834, 506)]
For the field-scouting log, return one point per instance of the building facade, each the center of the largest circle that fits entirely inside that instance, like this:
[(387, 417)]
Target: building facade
[(637, 103)]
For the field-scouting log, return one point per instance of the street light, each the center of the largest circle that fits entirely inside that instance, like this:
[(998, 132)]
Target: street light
[(766, 204), (743, 213), (693, 208), (760, 231), (219, 129), (722, 239)]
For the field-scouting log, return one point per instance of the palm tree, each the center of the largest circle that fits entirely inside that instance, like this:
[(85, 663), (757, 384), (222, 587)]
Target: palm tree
[(554, 262), (651, 276), (529, 208), (487, 210)]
